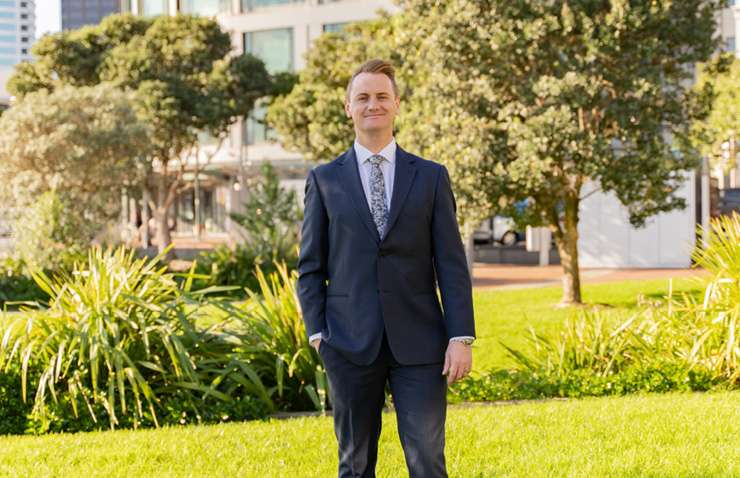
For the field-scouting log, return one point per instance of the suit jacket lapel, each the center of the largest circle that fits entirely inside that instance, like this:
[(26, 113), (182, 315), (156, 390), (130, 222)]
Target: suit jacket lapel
[(350, 180), (402, 179)]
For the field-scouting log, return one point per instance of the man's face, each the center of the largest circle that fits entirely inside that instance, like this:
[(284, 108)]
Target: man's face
[(372, 103)]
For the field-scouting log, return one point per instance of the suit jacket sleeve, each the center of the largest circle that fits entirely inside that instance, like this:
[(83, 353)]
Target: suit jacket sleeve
[(312, 259), (450, 263)]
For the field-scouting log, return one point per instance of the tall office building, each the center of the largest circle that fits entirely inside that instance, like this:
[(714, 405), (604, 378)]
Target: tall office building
[(78, 13), (17, 33)]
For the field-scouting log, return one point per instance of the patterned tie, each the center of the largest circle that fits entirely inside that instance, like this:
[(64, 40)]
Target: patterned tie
[(377, 194)]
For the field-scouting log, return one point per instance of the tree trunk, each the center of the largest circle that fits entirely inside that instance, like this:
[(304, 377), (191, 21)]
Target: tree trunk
[(469, 242), (164, 238), (566, 239)]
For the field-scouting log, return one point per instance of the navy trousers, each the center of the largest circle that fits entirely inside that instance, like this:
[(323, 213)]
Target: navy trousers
[(357, 394)]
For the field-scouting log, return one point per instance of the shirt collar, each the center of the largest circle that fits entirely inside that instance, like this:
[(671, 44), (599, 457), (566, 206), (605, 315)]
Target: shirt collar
[(388, 152)]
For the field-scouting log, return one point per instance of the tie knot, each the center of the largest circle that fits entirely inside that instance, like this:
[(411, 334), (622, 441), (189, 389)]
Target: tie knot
[(375, 159)]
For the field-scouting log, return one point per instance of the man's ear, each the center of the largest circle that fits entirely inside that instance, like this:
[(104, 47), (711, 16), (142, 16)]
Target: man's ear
[(346, 109)]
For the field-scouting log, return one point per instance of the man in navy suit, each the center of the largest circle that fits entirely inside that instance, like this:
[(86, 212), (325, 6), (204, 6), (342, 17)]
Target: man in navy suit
[(379, 237)]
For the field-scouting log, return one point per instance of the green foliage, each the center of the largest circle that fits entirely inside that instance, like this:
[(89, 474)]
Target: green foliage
[(721, 79), (274, 340), (16, 284), (120, 341), (679, 344), (14, 410), (81, 142), (185, 78), (271, 216), (51, 234), (311, 118), (224, 266), (527, 100)]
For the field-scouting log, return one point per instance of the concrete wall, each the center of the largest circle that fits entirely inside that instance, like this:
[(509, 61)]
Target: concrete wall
[(608, 240)]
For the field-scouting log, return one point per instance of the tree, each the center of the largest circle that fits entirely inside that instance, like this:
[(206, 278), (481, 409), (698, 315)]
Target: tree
[(538, 98), (529, 100), (715, 134), (185, 77), (310, 119), (79, 143), (271, 216)]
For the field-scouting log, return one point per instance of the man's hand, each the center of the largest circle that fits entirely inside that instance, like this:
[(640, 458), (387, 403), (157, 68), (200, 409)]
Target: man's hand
[(458, 361), (316, 344)]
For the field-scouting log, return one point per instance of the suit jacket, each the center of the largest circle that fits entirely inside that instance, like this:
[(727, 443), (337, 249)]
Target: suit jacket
[(352, 283)]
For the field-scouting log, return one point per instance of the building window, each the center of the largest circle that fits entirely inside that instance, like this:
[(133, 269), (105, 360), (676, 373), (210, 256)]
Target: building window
[(24, 4), (24, 39), (7, 61), (152, 7), (274, 47), (7, 27), (7, 15), (730, 44), (205, 7), (249, 5), (24, 16), (334, 27), (7, 3), (24, 28), (255, 130), (7, 38), (7, 51)]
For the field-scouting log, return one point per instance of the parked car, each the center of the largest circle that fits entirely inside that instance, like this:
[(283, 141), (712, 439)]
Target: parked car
[(499, 229), (729, 201)]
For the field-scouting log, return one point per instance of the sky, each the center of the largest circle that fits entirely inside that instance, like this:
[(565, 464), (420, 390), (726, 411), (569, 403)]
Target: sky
[(48, 16)]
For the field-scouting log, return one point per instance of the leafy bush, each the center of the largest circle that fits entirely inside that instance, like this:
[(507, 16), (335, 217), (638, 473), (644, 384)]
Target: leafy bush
[(120, 340), (271, 215), (682, 344), (223, 266), (16, 284), (269, 226), (273, 339), (51, 234)]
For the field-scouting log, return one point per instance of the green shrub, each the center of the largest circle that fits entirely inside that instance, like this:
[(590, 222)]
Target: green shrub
[(273, 339), (680, 344), (119, 343), (14, 410), (224, 266), (16, 284)]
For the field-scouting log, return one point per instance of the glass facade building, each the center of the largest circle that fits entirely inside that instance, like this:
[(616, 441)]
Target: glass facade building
[(17, 29), (78, 13)]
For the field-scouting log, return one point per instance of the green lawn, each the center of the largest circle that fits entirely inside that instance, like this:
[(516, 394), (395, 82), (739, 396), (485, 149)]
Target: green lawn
[(670, 435), (506, 315)]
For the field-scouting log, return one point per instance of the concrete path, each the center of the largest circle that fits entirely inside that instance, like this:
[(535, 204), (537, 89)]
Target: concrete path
[(504, 276)]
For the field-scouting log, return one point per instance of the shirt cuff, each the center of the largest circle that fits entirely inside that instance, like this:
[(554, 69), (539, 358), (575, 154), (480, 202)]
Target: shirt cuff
[(461, 337), (314, 337)]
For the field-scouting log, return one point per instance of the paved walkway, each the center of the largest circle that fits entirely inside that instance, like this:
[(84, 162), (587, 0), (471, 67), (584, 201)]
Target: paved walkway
[(504, 276)]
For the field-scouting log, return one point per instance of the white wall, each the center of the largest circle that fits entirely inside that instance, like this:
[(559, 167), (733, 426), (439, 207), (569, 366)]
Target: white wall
[(606, 238)]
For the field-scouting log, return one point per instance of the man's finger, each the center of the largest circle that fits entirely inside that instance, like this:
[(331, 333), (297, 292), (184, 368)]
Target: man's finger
[(453, 373), (446, 366)]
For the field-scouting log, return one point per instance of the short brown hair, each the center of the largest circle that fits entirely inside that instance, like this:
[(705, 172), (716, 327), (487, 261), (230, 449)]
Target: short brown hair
[(375, 66)]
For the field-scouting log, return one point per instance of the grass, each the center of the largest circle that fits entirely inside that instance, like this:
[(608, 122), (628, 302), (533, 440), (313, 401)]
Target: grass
[(668, 435), (506, 315)]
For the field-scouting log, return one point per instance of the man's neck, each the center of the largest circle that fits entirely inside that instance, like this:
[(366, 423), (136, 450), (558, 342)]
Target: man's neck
[(374, 142)]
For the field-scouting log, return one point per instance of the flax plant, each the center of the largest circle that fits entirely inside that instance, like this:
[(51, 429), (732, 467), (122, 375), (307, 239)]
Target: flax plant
[(120, 335), (691, 333), (273, 337)]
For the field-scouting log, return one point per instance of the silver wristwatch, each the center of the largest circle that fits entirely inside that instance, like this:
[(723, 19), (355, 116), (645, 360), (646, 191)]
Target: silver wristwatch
[(465, 341)]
